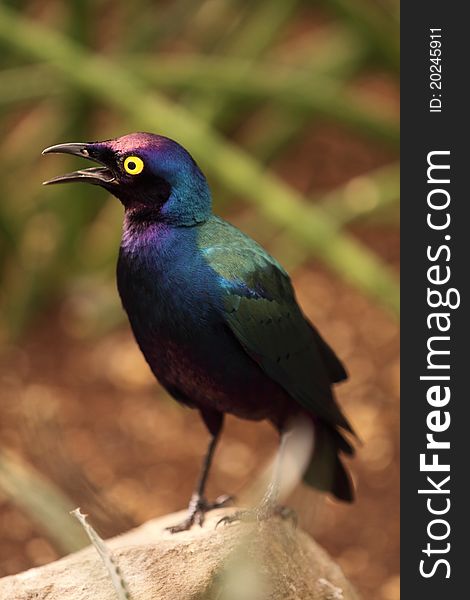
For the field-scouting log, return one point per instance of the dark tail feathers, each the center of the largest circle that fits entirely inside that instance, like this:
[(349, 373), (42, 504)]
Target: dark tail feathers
[(326, 471)]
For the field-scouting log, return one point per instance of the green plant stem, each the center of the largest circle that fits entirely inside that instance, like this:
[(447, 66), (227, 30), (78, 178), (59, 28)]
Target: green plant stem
[(297, 91), (251, 38), (152, 27), (365, 195), (42, 501), (374, 24), (32, 82), (241, 174), (333, 53)]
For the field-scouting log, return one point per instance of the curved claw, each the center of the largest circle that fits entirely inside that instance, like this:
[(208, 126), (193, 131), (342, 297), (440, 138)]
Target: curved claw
[(198, 507), (183, 526), (225, 521)]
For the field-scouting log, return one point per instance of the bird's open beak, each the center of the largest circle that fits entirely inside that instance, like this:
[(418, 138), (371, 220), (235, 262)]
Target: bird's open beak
[(97, 175)]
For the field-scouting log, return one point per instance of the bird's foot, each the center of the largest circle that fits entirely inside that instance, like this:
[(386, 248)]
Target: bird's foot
[(197, 509), (261, 513)]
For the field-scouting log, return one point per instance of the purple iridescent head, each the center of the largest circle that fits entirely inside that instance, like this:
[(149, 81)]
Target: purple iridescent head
[(154, 177)]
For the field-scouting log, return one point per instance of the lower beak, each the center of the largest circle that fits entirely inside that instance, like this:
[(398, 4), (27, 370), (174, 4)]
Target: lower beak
[(97, 175)]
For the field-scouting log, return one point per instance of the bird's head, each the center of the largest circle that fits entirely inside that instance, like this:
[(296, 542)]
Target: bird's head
[(154, 177)]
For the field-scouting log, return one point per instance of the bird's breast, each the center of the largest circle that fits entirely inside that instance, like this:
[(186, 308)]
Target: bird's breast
[(176, 325), (169, 294), (174, 304)]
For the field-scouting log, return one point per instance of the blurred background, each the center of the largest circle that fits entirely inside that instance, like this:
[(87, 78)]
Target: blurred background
[(291, 109)]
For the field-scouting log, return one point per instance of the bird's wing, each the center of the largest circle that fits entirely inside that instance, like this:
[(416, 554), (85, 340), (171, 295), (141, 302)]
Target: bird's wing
[(261, 310)]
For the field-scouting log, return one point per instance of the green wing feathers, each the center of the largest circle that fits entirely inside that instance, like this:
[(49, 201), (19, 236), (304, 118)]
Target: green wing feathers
[(281, 341), (292, 353), (261, 310), (263, 314)]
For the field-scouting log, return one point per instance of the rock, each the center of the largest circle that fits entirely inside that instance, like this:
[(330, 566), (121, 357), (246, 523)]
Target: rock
[(242, 561)]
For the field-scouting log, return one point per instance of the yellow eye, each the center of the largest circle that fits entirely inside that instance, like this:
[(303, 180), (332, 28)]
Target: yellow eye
[(133, 165)]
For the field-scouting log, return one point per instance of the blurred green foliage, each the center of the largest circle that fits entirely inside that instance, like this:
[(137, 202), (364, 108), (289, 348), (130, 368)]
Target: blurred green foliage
[(240, 84)]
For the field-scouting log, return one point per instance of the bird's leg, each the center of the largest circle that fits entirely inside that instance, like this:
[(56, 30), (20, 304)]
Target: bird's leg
[(198, 505), (269, 505)]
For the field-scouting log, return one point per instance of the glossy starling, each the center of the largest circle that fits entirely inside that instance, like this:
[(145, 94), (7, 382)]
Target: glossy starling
[(214, 314)]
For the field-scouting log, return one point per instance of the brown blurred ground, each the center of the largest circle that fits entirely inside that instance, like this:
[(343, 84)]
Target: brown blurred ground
[(88, 414)]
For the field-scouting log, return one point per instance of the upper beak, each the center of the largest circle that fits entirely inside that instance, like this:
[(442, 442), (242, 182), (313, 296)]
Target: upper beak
[(97, 175)]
